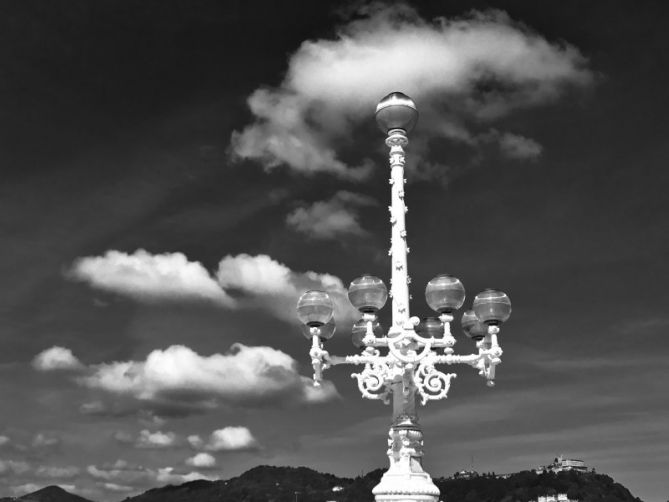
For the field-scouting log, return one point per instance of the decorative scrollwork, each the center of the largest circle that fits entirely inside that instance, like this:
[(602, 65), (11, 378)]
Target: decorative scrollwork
[(431, 383), (374, 382)]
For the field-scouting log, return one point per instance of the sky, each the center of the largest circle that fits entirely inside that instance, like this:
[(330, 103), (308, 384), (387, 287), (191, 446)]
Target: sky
[(176, 173)]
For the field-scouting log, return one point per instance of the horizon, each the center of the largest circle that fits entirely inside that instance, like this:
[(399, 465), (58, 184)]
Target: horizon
[(177, 173)]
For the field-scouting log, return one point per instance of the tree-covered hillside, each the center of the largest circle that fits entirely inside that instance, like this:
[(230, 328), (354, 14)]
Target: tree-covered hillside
[(289, 484)]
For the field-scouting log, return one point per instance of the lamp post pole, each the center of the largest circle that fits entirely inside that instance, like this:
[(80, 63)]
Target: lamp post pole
[(406, 369)]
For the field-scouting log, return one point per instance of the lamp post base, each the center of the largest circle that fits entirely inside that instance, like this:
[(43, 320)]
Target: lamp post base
[(405, 480)]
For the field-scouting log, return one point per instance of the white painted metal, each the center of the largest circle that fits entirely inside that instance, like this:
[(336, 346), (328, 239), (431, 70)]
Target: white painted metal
[(406, 371)]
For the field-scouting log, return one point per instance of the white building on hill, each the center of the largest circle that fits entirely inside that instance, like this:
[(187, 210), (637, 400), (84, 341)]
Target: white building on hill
[(561, 464)]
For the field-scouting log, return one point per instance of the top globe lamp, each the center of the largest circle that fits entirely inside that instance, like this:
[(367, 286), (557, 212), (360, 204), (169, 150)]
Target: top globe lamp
[(444, 294), (368, 294), (315, 308), (492, 307), (396, 111)]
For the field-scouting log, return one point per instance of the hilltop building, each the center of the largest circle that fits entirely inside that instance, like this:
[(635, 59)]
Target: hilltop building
[(464, 474), (560, 497), (561, 464)]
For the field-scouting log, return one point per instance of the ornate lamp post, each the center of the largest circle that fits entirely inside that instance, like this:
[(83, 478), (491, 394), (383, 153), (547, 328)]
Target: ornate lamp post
[(402, 364)]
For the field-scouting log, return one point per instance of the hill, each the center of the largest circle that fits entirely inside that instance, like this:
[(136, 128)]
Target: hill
[(290, 484), (47, 494), (301, 484)]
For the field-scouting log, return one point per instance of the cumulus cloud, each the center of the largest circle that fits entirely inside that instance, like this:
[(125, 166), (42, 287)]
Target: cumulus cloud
[(255, 281), (202, 461), (331, 219), (56, 358), (178, 376), (226, 439), (154, 440), (265, 282), (464, 73), (148, 277)]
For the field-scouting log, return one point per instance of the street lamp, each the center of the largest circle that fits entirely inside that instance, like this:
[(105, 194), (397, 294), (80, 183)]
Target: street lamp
[(402, 364)]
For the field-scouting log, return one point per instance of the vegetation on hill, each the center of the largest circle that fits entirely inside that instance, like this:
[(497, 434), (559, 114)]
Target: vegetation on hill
[(300, 484), (290, 484)]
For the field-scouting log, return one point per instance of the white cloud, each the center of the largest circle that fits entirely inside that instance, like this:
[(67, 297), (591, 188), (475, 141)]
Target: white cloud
[(44, 440), (230, 438), (168, 475), (158, 439), (202, 461), (178, 375), (263, 282), (273, 286), (331, 219), (56, 358), (57, 472), (16, 467), (24, 489), (519, 147), (122, 476), (195, 441), (4, 440), (114, 487), (147, 277), (469, 70)]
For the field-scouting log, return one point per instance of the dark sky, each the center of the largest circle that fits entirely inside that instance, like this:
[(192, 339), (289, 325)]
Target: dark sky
[(175, 173)]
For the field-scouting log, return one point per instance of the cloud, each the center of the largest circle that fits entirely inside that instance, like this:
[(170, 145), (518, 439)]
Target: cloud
[(4, 440), (57, 472), (463, 73), (129, 476), (114, 487), (229, 438), (518, 147), (56, 358), (149, 278), (331, 219), (264, 282), (24, 489), (255, 281), (179, 377), (202, 461), (15, 467), (44, 440), (158, 439)]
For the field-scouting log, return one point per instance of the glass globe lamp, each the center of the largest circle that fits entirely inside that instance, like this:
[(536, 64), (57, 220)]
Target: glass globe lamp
[(472, 327), (445, 293), (359, 331), (430, 327), (327, 330), (492, 307), (368, 294), (396, 111), (315, 308)]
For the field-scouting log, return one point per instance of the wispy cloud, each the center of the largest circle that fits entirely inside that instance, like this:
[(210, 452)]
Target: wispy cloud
[(331, 219), (471, 69)]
